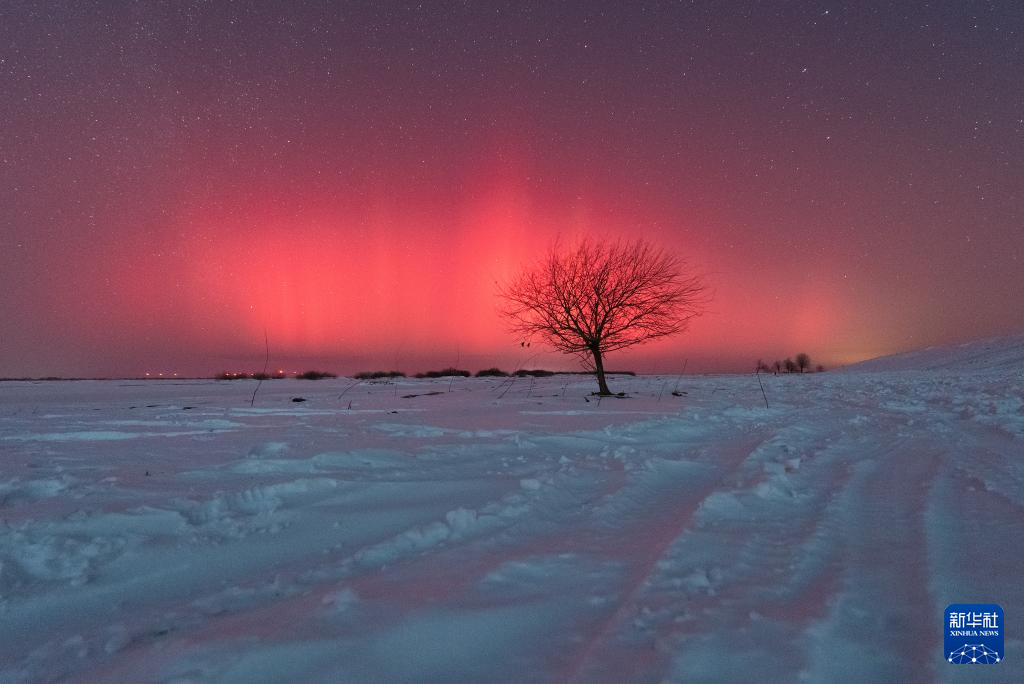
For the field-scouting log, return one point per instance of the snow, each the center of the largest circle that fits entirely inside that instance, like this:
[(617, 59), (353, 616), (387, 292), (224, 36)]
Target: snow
[(991, 354), (167, 531)]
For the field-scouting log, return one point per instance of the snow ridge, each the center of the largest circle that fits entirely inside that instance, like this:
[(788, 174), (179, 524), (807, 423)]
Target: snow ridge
[(996, 354)]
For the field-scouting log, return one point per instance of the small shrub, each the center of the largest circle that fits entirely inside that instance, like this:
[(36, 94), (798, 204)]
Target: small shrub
[(377, 375), (315, 375), (491, 373), (445, 373), (537, 373)]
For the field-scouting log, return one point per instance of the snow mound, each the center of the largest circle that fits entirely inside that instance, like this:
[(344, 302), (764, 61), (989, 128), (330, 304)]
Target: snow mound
[(15, 490), (992, 354)]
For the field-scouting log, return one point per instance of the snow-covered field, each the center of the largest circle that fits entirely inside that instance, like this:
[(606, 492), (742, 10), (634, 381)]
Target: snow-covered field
[(166, 531)]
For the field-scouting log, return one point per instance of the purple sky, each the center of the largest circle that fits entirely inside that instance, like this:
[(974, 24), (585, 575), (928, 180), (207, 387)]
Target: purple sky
[(177, 178)]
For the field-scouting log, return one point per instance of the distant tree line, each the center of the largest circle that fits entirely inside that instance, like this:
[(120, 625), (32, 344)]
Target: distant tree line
[(392, 375), (540, 373), (801, 363)]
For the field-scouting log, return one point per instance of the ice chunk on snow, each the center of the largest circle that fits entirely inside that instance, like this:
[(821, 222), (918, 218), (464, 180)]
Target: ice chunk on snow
[(340, 601), (268, 449), (119, 638), (31, 490), (723, 505), (461, 519), (53, 557)]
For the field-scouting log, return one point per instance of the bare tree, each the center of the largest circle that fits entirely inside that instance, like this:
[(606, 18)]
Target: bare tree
[(790, 365), (598, 297), (777, 367), (803, 362)]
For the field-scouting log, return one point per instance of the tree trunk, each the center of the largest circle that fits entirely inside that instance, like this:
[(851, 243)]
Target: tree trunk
[(602, 384)]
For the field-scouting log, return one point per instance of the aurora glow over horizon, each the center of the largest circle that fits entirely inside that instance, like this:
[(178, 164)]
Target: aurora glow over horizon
[(177, 178)]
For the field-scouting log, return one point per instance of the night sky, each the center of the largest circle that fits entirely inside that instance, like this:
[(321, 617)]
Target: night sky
[(353, 178)]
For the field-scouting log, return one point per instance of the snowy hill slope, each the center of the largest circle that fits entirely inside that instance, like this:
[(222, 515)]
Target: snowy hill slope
[(991, 354)]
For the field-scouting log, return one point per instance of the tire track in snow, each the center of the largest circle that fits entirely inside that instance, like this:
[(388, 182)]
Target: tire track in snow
[(156, 577), (696, 576), (642, 543), (880, 628), (970, 562), (557, 517), (400, 571)]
